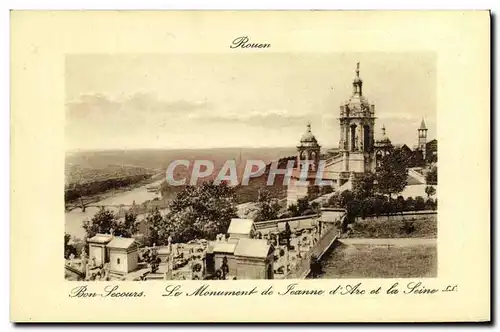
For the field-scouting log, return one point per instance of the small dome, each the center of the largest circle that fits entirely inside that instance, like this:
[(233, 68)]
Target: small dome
[(383, 139), (308, 137)]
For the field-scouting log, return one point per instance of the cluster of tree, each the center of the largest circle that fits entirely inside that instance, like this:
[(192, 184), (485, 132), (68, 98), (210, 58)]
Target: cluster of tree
[(168, 191), (106, 222), (268, 207), (303, 208), (413, 158), (391, 176), (243, 193), (78, 190), (314, 192), (277, 190), (196, 212), (201, 211), (432, 176), (363, 206), (251, 192)]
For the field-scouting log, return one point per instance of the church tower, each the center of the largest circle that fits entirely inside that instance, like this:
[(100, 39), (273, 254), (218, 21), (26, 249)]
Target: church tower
[(422, 138), (382, 147), (357, 122), (308, 149), (308, 154)]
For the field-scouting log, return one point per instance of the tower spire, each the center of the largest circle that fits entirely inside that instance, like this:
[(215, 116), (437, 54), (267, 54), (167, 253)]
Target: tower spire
[(422, 138), (357, 84), (422, 124)]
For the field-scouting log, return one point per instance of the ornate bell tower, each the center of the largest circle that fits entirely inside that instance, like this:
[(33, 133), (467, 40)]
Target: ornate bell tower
[(308, 149), (422, 138), (308, 154), (357, 123)]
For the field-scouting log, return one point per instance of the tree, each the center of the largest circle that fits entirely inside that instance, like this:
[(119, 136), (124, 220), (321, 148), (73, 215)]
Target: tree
[(199, 211), (128, 227), (334, 201), (400, 204), (410, 204), (294, 210), (158, 233), (287, 233), (313, 192), (366, 207), (345, 197), (419, 203), (315, 207), (268, 208), (392, 174), (326, 190), (363, 188), (430, 204), (377, 206), (302, 206), (101, 223), (106, 222), (430, 191), (431, 176)]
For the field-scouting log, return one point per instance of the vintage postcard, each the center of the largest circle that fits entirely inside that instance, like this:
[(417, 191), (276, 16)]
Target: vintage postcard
[(285, 171)]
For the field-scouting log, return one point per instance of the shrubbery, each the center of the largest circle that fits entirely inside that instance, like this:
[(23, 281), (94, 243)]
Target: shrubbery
[(431, 176), (378, 205)]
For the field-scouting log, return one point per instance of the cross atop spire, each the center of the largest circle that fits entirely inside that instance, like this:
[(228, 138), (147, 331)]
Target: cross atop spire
[(383, 130), (357, 69)]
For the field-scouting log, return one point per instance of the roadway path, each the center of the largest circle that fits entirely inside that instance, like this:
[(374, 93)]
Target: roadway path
[(391, 241)]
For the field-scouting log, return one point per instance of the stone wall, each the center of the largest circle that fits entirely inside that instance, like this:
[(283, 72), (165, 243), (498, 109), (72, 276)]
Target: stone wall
[(302, 268), (410, 215)]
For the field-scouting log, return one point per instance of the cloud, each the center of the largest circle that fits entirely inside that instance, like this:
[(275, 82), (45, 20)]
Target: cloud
[(255, 117), (140, 104)]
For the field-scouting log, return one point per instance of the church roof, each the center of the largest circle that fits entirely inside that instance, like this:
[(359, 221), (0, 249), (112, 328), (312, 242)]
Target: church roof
[(308, 139), (357, 102), (308, 136), (383, 139), (422, 125)]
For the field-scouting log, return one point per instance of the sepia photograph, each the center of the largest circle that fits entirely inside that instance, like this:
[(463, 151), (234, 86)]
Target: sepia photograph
[(182, 160), (250, 166)]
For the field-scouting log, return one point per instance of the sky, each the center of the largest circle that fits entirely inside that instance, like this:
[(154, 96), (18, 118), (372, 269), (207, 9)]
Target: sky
[(177, 101)]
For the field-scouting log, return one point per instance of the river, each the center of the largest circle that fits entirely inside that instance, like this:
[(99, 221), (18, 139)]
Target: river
[(74, 218)]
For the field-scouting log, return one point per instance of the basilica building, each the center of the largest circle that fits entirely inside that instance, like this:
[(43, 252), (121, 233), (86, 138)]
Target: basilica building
[(359, 151)]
